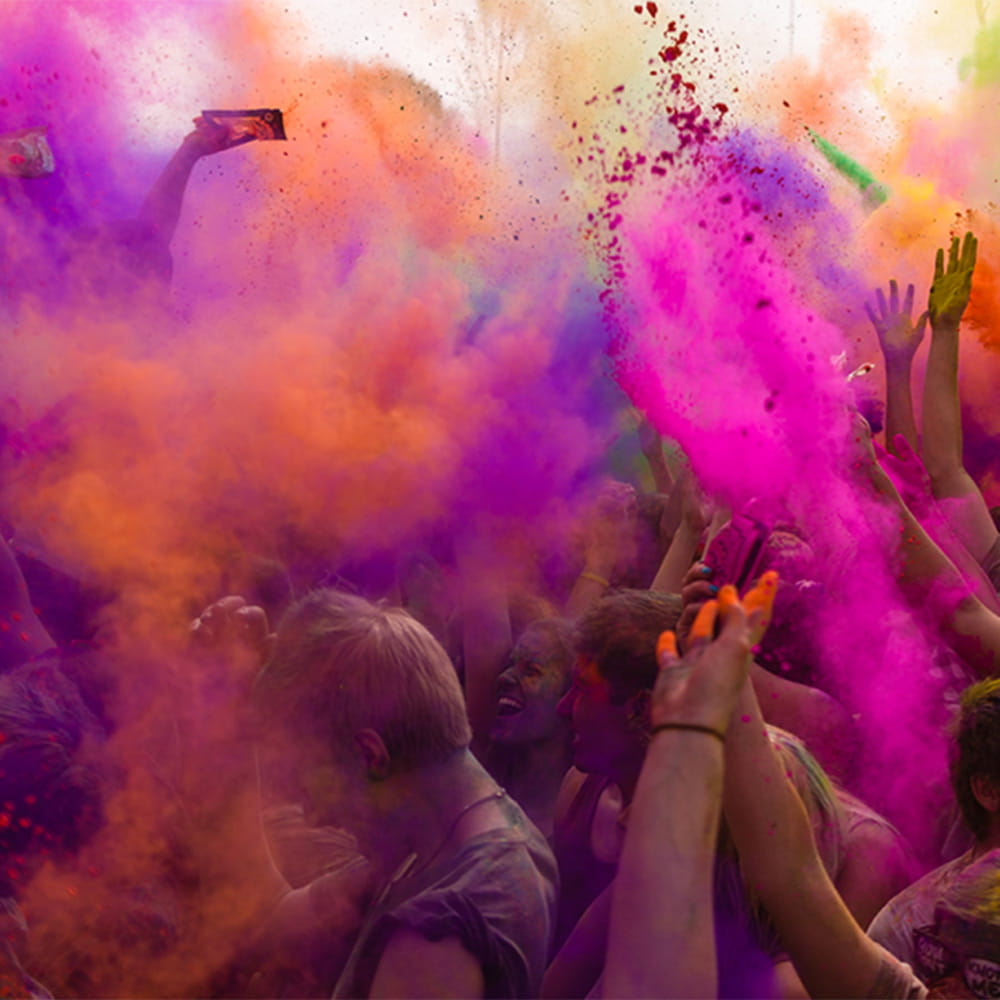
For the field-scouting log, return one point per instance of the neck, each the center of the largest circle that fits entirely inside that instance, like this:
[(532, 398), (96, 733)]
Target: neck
[(534, 774), (990, 842), (426, 803)]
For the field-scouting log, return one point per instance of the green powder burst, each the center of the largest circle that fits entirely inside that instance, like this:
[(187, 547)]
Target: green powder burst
[(874, 192)]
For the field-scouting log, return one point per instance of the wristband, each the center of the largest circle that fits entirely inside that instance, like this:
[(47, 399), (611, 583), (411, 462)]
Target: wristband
[(692, 727), (587, 575)]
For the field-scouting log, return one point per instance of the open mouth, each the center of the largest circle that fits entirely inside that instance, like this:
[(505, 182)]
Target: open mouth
[(509, 705)]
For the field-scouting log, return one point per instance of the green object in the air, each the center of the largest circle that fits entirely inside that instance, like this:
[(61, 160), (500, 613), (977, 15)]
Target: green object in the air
[(874, 192)]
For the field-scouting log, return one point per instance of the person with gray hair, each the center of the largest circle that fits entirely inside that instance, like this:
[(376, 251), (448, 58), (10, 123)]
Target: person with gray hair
[(363, 706)]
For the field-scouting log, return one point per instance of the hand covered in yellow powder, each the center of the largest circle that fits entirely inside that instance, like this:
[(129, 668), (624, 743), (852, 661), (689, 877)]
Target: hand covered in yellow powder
[(952, 285)]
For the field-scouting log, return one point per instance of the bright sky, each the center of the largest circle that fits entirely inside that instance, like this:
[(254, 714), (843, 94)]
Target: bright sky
[(426, 35)]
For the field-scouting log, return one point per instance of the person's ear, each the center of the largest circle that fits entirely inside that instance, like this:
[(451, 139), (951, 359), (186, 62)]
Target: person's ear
[(637, 708), (374, 752), (986, 792)]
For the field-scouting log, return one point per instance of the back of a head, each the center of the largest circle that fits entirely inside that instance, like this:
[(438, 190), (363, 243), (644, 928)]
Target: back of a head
[(977, 751), (619, 633), (818, 795), (341, 664)]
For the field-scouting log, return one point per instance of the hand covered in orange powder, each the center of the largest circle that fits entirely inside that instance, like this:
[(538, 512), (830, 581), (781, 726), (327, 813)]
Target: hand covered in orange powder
[(701, 688)]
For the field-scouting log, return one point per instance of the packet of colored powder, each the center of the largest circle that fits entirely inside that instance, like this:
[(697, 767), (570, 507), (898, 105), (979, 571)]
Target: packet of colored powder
[(248, 124), (26, 153)]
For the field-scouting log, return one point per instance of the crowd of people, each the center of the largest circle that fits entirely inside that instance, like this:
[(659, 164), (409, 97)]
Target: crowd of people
[(635, 783)]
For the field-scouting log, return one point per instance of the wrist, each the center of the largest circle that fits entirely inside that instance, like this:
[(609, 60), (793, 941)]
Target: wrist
[(945, 325), (712, 731), (599, 564), (692, 527), (899, 363)]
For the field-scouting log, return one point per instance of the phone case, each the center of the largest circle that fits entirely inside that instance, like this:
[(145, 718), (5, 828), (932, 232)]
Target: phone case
[(736, 552)]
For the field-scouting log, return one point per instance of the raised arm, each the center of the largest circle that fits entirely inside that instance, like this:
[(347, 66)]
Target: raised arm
[(770, 827), (609, 546), (929, 578), (684, 545), (899, 339), (962, 502), (652, 448), (161, 210), (913, 483), (661, 940), (768, 821)]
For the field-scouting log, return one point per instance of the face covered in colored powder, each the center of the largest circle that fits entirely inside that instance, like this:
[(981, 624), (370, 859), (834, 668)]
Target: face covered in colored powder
[(604, 735), (529, 690)]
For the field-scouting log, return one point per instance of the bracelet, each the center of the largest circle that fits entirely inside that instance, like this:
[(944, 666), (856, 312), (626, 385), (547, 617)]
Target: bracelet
[(587, 575), (692, 727)]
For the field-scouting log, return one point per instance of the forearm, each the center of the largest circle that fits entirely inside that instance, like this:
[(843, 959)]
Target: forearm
[(324, 910), (941, 529), (661, 940), (590, 586), (963, 507), (774, 840), (162, 208), (657, 461), (763, 811), (899, 418), (934, 585), (942, 418), (932, 582), (677, 560), (580, 961)]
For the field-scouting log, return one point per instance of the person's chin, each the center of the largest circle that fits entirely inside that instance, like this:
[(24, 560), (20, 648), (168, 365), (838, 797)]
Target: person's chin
[(506, 734)]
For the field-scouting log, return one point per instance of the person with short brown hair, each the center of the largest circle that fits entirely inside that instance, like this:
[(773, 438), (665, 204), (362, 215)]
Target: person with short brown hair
[(366, 705)]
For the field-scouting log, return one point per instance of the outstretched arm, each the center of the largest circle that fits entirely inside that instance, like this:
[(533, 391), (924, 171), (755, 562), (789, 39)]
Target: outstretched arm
[(677, 560), (899, 339), (769, 824), (161, 210), (929, 578), (913, 482), (652, 448), (963, 504), (609, 546), (661, 941), (772, 833)]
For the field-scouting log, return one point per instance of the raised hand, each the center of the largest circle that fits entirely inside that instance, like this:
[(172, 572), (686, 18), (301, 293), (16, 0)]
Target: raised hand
[(702, 687), (230, 623), (952, 285), (208, 137), (609, 541), (897, 334)]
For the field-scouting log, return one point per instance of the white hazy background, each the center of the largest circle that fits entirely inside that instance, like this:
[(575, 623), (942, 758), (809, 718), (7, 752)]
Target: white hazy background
[(918, 44)]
